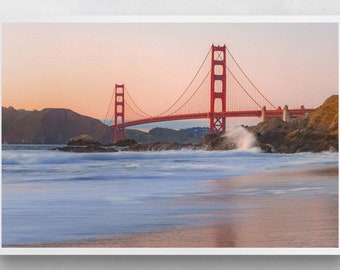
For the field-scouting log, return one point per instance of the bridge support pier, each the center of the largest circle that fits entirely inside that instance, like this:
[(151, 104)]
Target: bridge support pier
[(118, 131), (286, 114), (118, 134), (263, 114)]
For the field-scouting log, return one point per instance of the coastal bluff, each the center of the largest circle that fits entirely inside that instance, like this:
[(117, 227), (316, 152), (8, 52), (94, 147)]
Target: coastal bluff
[(314, 132)]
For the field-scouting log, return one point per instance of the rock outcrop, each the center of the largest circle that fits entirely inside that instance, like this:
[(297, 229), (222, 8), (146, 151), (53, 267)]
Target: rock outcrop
[(82, 140), (157, 146), (125, 143), (85, 144), (162, 146), (315, 132), (216, 141)]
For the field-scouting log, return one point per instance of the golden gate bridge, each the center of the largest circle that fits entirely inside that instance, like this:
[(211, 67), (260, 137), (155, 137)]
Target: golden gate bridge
[(232, 94)]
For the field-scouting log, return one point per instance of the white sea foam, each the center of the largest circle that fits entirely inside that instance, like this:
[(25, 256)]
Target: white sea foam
[(131, 165), (242, 138)]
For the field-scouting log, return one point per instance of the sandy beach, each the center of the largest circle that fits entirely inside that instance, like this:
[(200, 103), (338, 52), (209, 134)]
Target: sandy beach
[(274, 219)]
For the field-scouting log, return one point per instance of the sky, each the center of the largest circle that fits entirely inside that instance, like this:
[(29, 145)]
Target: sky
[(76, 65)]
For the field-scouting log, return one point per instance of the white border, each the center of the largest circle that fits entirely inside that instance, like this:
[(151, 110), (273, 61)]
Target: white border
[(170, 251), (173, 19)]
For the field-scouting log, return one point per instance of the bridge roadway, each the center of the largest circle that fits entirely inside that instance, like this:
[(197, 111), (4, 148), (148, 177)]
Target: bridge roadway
[(252, 113)]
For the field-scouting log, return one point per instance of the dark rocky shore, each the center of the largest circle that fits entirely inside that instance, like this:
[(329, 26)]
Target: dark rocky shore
[(85, 144), (315, 132)]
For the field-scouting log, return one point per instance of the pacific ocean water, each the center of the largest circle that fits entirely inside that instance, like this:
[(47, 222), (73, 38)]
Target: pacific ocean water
[(52, 196)]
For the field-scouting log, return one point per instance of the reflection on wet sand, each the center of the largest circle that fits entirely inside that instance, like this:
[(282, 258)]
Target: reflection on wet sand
[(294, 209), (285, 223)]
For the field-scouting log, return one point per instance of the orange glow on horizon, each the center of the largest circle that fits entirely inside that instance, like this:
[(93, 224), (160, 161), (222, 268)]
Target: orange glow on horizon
[(75, 66)]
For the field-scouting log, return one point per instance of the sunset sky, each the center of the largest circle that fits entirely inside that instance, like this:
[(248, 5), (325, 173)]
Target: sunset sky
[(75, 66)]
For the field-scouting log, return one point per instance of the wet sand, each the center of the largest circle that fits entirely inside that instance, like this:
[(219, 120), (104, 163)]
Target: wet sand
[(273, 219)]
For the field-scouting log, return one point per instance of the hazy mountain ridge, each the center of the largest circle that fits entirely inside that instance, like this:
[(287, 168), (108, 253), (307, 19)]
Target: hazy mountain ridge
[(49, 126), (57, 126)]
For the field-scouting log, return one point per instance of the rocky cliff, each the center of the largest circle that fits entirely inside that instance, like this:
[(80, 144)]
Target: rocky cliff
[(315, 132)]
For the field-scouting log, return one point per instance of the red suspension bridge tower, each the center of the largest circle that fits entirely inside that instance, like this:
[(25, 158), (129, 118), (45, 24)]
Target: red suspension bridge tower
[(119, 112), (217, 113), (217, 88), (217, 96)]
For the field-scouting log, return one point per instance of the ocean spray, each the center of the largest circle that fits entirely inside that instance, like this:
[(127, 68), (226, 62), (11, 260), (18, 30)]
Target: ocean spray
[(241, 137)]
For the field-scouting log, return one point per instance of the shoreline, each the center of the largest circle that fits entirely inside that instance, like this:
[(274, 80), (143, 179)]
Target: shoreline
[(276, 219)]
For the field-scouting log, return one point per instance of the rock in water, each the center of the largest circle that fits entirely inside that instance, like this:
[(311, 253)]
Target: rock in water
[(125, 143), (157, 146), (84, 144), (82, 140), (216, 141)]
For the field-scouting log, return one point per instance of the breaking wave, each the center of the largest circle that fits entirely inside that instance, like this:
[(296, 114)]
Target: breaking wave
[(242, 138)]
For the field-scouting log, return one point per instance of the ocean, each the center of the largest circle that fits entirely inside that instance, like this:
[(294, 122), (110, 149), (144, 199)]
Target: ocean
[(52, 196)]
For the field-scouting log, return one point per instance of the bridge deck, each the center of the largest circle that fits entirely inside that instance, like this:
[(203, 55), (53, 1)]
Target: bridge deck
[(254, 113)]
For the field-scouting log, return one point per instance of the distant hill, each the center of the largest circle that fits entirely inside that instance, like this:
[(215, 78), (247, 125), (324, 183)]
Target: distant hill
[(57, 126), (189, 135), (50, 126)]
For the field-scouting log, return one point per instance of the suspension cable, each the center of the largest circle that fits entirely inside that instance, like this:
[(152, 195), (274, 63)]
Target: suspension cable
[(193, 93), (249, 79), (127, 104), (109, 106), (187, 88), (238, 82), (145, 114)]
